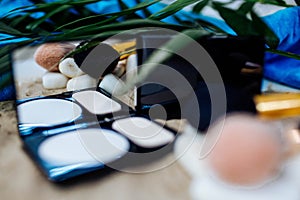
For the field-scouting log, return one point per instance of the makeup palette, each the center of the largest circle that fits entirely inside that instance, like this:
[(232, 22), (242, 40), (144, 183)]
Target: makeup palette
[(71, 133), (74, 133)]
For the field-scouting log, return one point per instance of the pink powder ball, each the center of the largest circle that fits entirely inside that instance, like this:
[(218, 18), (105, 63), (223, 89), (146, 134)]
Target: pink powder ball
[(248, 151)]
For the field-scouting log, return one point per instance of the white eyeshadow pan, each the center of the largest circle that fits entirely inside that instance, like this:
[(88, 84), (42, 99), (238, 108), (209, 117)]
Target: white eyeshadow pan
[(45, 112), (143, 132), (96, 102), (92, 146)]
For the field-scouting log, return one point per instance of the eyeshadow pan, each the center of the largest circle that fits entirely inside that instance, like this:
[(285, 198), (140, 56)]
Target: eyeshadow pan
[(143, 132), (93, 146), (45, 112), (96, 102)]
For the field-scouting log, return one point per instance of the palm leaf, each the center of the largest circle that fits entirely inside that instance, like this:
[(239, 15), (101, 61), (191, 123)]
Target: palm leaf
[(145, 11), (11, 31), (283, 53), (124, 25), (6, 80), (200, 5), (16, 21), (5, 64), (171, 9), (237, 21), (36, 23), (271, 38), (272, 2), (115, 15), (246, 8)]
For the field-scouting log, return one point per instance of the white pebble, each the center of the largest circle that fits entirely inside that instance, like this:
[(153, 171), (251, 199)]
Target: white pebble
[(81, 82), (120, 68), (131, 67), (112, 84), (54, 80), (69, 68)]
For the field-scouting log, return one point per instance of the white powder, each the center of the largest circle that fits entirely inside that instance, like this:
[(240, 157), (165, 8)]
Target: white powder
[(93, 146), (143, 132), (96, 102), (48, 112)]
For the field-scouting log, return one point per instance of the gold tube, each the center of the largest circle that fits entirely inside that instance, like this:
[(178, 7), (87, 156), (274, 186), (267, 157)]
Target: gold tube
[(125, 49), (276, 106)]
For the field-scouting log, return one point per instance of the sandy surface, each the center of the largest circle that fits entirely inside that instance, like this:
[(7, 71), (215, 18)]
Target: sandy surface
[(34, 89)]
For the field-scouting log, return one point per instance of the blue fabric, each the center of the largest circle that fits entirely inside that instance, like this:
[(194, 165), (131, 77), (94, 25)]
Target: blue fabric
[(8, 5), (284, 23), (7, 93), (285, 70), (104, 7)]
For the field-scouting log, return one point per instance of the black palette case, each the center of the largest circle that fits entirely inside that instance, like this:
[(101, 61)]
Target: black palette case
[(125, 136)]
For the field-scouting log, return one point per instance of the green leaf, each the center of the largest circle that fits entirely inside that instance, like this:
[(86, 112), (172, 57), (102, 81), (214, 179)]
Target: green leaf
[(8, 48), (146, 12), (5, 67), (114, 16), (40, 7), (90, 28), (225, 3), (82, 2), (272, 2), (238, 22), (17, 20), (49, 7), (5, 50), (4, 28), (283, 53), (125, 25), (271, 38), (244, 26), (171, 9), (209, 27), (191, 23), (36, 23), (200, 5), (97, 19), (246, 8), (7, 79), (15, 11), (122, 5), (4, 63)]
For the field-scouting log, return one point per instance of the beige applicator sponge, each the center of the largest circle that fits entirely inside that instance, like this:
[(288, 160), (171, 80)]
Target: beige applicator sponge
[(248, 151), (49, 55)]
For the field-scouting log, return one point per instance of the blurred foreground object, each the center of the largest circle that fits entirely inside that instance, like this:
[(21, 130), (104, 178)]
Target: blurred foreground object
[(247, 152)]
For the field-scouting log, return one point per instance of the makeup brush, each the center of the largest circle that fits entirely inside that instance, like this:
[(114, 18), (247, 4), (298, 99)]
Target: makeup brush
[(100, 60)]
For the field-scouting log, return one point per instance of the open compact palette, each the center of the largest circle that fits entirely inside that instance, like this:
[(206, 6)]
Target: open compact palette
[(70, 133)]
